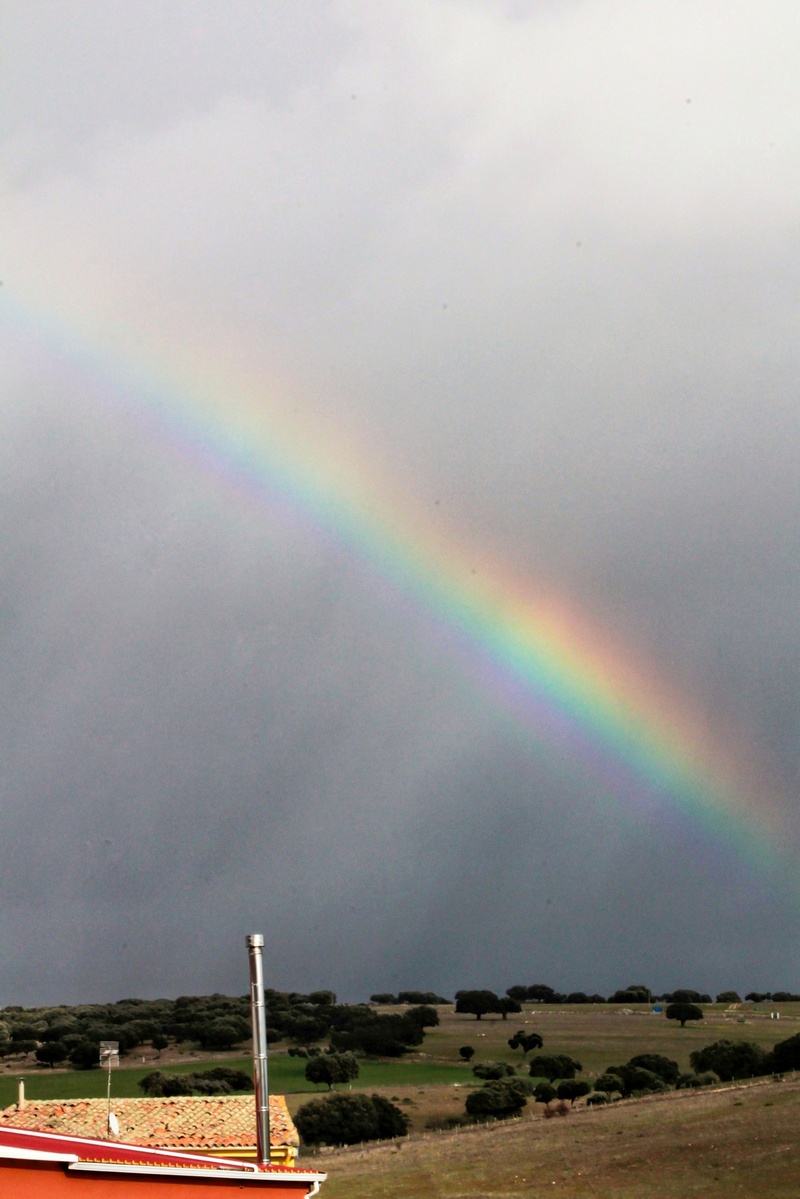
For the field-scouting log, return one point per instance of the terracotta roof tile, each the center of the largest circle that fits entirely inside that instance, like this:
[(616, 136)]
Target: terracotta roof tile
[(199, 1122)]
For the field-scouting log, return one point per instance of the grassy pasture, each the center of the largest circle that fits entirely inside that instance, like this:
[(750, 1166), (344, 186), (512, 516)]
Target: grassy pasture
[(286, 1076), (600, 1035), (734, 1142)]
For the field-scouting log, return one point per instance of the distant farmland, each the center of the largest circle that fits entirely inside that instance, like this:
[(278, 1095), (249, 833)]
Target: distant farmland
[(736, 1140)]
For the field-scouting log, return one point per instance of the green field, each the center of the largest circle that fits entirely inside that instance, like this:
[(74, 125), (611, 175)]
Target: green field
[(286, 1077)]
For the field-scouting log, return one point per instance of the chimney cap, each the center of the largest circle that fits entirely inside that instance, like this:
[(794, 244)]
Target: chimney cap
[(255, 941)]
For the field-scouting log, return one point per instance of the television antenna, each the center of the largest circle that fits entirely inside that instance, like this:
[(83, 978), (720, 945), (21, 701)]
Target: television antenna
[(109, 1057)]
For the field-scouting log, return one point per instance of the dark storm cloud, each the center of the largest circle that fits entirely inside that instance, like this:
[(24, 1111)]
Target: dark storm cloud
[(539, 264)]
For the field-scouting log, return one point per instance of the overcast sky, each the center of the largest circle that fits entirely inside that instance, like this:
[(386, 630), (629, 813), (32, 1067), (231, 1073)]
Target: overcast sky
[(537, 262)]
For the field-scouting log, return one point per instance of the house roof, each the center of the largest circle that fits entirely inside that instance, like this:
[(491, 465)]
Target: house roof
[(45, 1164), (188, 1122)]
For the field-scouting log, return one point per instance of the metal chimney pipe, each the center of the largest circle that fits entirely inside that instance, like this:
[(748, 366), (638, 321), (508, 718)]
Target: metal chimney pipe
[(258, 1018)]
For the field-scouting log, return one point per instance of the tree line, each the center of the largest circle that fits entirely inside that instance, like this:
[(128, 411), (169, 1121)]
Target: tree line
[(541, 993), (71, 1035), (482, 1003)]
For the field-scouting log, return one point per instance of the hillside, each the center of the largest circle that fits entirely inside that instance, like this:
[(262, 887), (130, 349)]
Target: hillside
[(739, 1141)]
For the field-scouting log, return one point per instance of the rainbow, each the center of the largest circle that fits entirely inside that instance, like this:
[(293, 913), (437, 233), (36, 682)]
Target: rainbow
[(555, 678)]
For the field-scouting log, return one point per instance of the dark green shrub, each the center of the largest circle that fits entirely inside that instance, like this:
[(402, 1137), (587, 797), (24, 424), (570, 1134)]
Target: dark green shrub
[(425, 1016), (477, 1003), (378, 1036), (426, 997), (492, 1070), (85, 1055), (517, 992), (207, 1086), (645, 1082), (683, 1012), (690, 1080), (157, 1085), (51, 1052), (539, 993), (237, 1080), (609, 1083), (526, 1041), (330, 1068), (346, 1119), (302, 1029), (322, 998), (786, 1054), (221, 1080), (223, 1033), (732, 1059), (554, 1065), (635, 993), (543, 1092), (632, 1080), (572, 1089), (663, 1067), (500, 1099), (508, 1006)]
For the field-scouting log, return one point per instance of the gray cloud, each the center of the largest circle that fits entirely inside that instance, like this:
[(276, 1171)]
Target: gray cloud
[(537, 267)]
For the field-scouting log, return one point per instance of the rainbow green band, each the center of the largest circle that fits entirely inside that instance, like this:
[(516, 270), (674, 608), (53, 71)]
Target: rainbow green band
[(552, 674)]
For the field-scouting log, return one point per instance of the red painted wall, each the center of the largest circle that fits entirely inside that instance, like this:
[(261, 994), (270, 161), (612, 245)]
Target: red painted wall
[(37, 1180)]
